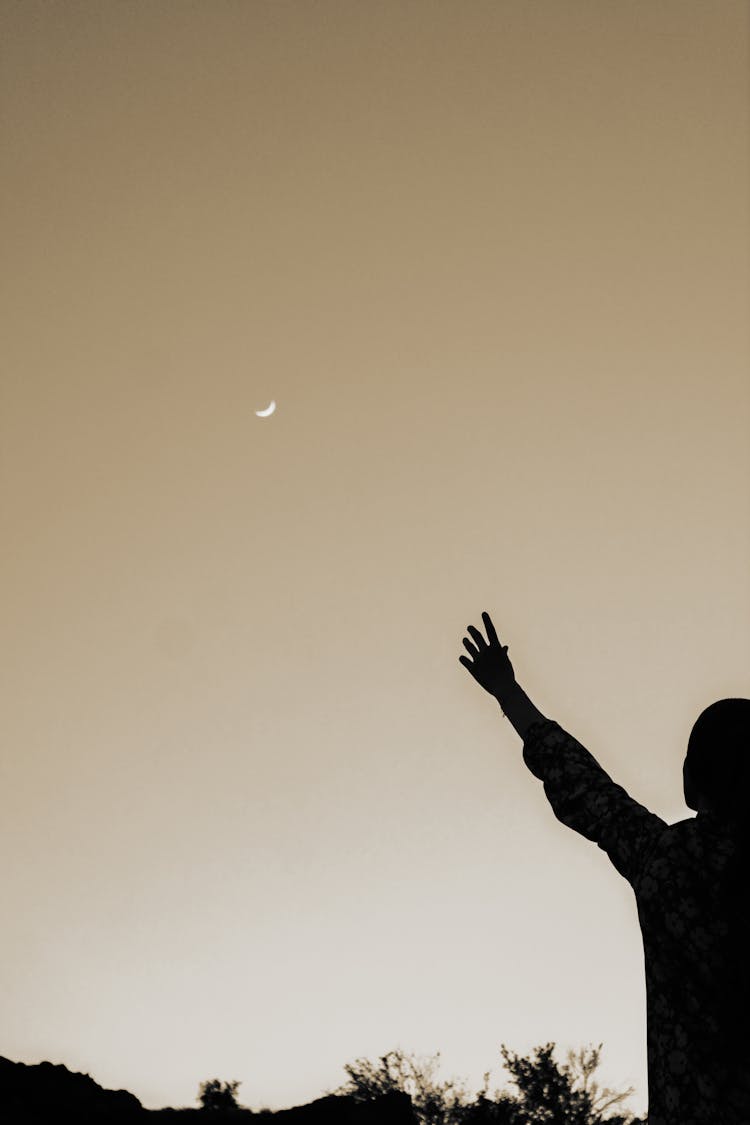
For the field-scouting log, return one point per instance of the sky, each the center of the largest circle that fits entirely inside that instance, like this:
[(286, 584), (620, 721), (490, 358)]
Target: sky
[(491, 261)]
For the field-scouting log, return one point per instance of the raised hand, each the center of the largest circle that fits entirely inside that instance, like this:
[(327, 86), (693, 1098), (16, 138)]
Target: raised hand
[(490, 665)]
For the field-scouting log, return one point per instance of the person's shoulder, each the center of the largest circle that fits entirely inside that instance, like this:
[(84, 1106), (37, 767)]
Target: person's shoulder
[(700, 824), (695, 835), (683, 827)]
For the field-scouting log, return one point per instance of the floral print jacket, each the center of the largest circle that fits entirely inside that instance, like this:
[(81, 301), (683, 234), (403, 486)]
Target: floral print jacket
[(698, 1067)]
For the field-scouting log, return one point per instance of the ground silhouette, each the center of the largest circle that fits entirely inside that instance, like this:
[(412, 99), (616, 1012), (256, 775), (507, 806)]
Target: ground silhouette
[(389, 1109), (45, 1092)]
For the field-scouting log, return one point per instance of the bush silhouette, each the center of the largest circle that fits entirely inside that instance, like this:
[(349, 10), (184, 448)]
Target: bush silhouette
[(215, 1094), (546, 1092), (434, 1102)]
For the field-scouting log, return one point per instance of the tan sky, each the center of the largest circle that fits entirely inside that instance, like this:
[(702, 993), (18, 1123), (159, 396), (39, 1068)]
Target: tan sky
[(491, 261)]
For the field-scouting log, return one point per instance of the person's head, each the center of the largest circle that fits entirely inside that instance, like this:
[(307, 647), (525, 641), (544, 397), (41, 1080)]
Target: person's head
[(716, 772)]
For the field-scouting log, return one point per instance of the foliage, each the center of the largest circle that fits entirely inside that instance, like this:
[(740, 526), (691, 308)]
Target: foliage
[(581, 1066), (215, 1094), (546, 1093), (553, 1094), (435, 1102)]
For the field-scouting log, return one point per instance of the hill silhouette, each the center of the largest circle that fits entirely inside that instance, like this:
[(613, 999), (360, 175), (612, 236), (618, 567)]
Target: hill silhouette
[(46, 1093)]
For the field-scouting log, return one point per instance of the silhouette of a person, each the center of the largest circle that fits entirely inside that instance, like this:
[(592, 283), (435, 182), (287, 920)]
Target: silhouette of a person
[(691, 882)]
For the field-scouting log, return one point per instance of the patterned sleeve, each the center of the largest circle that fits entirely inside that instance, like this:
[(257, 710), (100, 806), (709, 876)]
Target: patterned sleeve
[(586, 799)]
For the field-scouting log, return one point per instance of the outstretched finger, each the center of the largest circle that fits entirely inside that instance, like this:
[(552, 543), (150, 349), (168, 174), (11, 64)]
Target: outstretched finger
[(470, 648), (481, 642), (491, 633)]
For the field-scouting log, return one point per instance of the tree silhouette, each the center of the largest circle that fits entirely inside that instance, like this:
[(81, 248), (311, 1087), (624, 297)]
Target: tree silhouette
[(215, 1094), (546, 1093), (551, 1094), (434, 1102), (581, 1067)]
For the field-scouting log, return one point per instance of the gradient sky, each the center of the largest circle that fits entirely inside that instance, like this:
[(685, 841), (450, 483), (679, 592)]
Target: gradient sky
[(491, 261)]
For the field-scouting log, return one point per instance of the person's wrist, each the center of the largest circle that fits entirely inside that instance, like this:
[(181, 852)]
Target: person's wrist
[(505, 691)]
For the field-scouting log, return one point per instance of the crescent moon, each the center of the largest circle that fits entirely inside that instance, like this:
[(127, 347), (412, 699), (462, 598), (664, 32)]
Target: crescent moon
[(269, 410)]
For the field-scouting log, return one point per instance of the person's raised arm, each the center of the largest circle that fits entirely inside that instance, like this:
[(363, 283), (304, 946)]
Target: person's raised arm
[(492, 669), (582, 795)]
